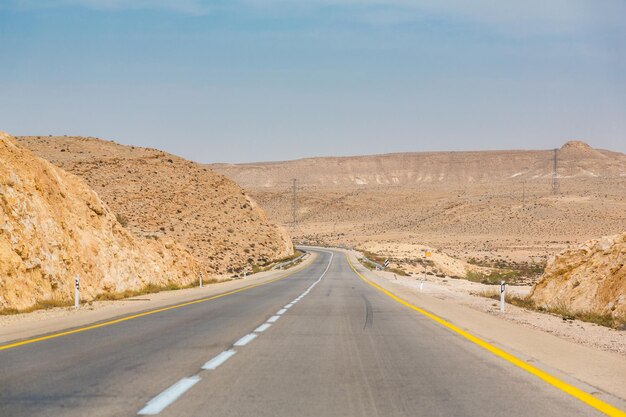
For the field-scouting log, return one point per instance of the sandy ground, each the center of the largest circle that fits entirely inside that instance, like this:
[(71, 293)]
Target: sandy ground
[(21, 326), (488, 222), (484, 205)]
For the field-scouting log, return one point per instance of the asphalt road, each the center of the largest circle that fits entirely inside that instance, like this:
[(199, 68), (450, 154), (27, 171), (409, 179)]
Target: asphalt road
[(342, 349)]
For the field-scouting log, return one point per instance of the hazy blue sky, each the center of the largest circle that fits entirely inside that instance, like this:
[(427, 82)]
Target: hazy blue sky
[(250, 80)]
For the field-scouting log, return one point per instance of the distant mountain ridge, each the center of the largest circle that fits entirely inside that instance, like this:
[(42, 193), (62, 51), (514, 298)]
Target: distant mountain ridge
[(574, 159)]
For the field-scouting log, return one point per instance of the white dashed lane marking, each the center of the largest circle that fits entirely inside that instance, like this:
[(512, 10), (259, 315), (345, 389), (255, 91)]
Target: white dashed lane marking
[(158, 403), (262, 328), (167, 397), (245, 340), (273, 319), (218, 360)]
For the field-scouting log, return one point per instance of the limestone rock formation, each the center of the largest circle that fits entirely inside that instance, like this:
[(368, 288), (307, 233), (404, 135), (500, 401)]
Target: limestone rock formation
[(53, 226), (493, 207), (154, 193), (588, 278), (575, 159)]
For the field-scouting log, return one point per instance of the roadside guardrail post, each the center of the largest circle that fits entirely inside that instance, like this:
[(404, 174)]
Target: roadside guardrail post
[(76, 291)]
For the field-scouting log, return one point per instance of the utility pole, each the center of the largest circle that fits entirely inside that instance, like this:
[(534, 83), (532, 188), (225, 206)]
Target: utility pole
[(294, 219), (555, 178)]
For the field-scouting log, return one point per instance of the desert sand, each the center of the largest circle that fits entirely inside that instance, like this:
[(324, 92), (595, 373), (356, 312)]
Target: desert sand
[(486, 208)]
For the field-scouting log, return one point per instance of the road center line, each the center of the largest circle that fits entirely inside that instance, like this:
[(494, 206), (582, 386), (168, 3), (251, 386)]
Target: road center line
[(158, 403), (164, 399), (245, 340), (262, 328), (219, 359)]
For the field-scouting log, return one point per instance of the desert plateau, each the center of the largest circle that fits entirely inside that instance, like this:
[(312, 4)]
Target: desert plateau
[(485, 216)]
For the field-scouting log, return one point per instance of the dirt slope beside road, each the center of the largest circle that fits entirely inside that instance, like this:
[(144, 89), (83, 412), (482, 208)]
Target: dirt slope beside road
[(53, 226), (590, 278), (154, 193)]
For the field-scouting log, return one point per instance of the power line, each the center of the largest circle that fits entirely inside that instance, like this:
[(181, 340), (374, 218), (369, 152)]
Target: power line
[(555, 176), (294, 202)]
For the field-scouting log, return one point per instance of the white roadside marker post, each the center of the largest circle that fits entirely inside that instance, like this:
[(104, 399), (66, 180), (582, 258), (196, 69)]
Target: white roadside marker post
[(200, 279), (422, 283), (76, 291), (502, 289)]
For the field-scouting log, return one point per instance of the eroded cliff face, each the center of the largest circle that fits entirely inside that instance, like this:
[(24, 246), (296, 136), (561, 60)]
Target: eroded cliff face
[(576, 159), (53, 226), (589, 278)]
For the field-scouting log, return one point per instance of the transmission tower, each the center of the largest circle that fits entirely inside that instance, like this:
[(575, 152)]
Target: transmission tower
[(555, 177), (294, 218)]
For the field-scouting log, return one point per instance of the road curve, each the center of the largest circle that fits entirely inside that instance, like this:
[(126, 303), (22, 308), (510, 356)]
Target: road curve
[(319, 343)]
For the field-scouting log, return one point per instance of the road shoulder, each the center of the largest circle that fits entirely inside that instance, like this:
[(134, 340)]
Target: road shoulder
[(594, 371), (24, 326)]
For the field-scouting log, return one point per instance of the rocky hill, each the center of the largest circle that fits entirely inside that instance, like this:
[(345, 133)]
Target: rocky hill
[(156, 194), (575, 159), (484, 207), (53, 226), (588, 278)]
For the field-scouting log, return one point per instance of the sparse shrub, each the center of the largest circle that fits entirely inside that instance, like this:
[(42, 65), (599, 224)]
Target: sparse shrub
[(494, 277), (561, 310), (40, 304), (121, 219), (399, 271)]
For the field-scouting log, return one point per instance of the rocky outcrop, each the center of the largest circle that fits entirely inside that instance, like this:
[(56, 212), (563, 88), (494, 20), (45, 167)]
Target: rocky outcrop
[(53, 226), (589, 278), (156, 194)]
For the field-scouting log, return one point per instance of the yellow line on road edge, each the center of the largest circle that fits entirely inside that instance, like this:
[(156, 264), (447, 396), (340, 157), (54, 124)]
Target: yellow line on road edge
[(135, 316), (569, 389)]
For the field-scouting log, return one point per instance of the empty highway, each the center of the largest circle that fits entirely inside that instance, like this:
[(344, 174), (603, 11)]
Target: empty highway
[(321, 342)]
